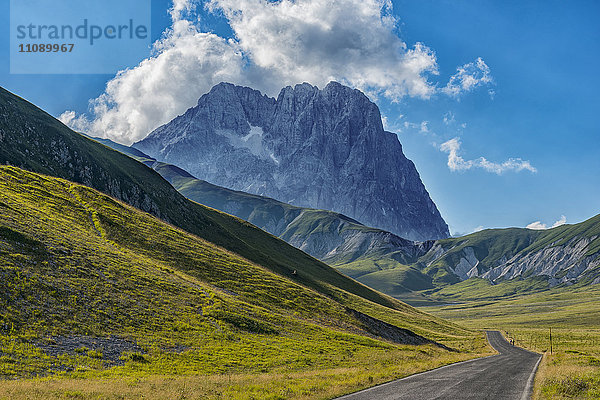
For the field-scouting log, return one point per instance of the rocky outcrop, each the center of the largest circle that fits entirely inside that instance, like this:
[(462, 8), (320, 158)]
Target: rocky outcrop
[(323, 149), (562, 264)]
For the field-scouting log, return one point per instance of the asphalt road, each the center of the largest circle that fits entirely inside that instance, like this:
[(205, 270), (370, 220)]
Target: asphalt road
[(505, 376)]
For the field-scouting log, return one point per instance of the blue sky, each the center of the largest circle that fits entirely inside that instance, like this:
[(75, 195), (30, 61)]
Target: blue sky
[(542, 59)]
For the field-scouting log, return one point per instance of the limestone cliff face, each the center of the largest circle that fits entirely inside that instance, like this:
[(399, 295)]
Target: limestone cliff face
[(324, 149), (564, 255)]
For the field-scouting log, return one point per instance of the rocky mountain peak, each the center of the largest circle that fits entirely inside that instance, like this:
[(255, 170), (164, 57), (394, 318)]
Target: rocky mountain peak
[(315, 148)]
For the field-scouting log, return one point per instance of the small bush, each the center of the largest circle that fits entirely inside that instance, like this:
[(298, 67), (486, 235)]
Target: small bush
[(570, 386), (135, 357), (82, 350), (95, 354), (594, 361)]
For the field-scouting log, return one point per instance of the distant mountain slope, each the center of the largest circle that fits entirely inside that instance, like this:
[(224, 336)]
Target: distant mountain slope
[(565, 254), (33, 140), (323, 149), (75, 264), (326, 235)]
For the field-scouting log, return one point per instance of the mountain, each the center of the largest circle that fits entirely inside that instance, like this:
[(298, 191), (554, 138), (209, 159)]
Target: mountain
[(511, 260), (566, 254), (33, 140), (489, 264), (89, 282), (322, 149), (329, 236), (334, 238)]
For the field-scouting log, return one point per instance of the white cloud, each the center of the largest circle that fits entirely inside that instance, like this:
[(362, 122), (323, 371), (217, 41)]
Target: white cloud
[(455, 233), (468, 77), (77, 123), (561, 221), (421, 127), (384, 121), (449, 118), (275, 44), (538, 225), (180, 8), (186, 64), (392, 124), (457, 163), (352, 41)]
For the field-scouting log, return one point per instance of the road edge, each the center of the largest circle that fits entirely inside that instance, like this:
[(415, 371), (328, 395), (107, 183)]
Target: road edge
[(529, 386)]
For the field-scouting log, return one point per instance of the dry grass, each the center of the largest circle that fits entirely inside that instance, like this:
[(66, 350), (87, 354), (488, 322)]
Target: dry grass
[(573, 368), (312, 384), (539, 377)]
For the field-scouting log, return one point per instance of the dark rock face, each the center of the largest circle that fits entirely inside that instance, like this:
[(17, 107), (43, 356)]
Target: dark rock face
[(390, 332), (324, 149)]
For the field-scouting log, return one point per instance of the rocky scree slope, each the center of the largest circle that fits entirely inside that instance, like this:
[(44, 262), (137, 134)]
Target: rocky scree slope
[(323, 149)]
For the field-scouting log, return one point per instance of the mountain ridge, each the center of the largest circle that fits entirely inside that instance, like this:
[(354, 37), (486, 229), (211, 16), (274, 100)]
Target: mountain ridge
[(329, 236), (566, 254)]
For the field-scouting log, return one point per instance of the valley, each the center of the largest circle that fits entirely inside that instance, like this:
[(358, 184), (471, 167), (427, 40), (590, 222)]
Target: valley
[(300, 200), (488, 264), (518, 280), (571, 314), (118, 268), (96, 290)]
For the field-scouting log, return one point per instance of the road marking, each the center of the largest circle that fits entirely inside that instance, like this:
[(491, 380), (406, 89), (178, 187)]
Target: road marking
[(528, 386)]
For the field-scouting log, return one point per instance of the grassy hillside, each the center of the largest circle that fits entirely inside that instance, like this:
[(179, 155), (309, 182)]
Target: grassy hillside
[(562, 235), (366, 254), (93, 288), (483, 289), (569, 252), (33, 140)]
